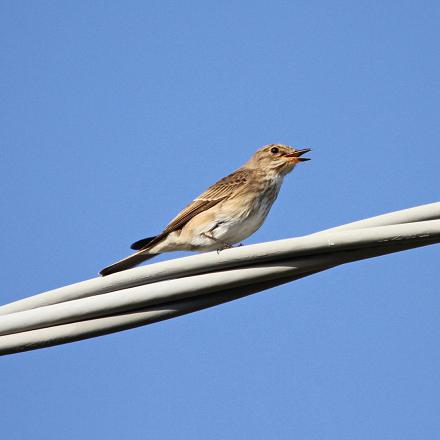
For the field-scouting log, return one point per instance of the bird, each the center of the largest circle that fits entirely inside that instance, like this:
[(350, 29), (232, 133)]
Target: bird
[(225, 214)]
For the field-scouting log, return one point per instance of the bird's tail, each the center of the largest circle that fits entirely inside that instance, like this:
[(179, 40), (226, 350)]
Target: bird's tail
[(138, 245), (127, 263)]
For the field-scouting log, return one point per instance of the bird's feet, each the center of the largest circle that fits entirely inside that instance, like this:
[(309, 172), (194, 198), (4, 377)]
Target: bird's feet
[(229, 246), (224, 244)]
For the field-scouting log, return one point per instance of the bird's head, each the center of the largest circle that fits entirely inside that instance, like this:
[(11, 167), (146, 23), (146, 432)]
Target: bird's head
[(277, 158)]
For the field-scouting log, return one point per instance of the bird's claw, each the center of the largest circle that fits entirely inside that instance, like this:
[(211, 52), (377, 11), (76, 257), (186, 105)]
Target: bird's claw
[(228, 246)]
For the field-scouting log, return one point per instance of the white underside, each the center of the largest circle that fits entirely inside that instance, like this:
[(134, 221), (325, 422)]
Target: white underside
[(226, 223)]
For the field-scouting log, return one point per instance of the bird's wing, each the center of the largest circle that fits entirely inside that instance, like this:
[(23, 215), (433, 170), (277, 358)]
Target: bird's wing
[(221, 190)]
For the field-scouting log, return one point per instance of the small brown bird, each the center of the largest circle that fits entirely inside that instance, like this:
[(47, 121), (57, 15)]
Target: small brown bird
[(226, 213)]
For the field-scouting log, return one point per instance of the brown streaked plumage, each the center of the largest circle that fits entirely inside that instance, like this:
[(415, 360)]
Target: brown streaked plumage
[(226, 213)]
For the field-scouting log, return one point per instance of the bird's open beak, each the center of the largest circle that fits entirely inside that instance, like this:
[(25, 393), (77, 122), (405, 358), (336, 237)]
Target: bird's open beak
[(296, 155)]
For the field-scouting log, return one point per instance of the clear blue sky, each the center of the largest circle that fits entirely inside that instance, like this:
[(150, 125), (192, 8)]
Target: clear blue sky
[(116, 114)]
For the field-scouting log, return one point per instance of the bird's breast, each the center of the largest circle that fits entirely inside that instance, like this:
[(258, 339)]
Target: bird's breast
[(241, 217), (262, 204)]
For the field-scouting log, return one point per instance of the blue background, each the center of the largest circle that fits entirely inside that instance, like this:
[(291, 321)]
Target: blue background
[(116, 114)]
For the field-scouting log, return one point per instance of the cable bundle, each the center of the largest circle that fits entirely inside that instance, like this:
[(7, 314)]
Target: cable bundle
[(168, 289)]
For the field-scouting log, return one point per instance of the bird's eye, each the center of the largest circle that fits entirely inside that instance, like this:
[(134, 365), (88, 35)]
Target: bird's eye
[(274, 150)]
